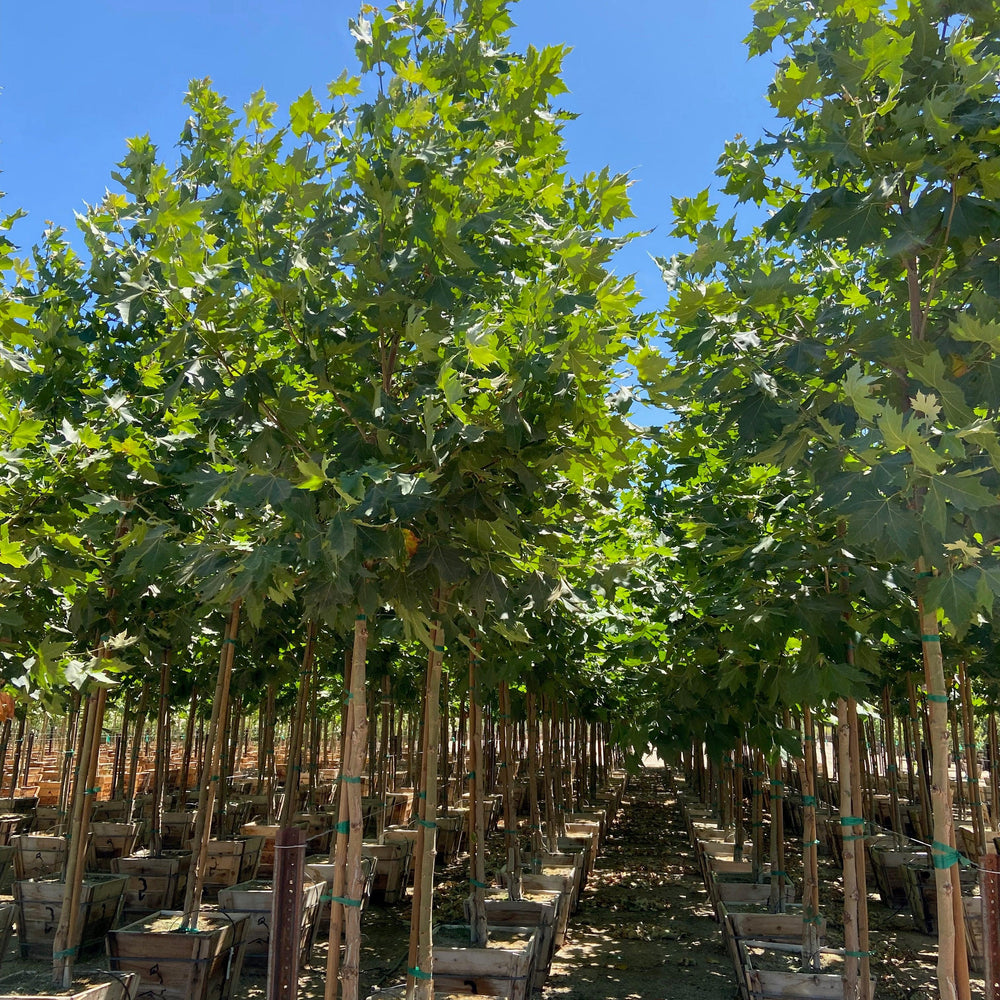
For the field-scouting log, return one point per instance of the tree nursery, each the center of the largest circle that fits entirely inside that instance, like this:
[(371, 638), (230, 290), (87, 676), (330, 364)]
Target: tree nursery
[(331, 555)]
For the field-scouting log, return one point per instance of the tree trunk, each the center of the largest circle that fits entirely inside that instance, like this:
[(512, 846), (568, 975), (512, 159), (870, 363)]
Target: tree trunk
[(479, 930)]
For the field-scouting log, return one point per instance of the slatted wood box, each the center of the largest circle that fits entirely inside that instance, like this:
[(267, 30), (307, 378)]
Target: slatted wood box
[(39, 905), (154, 883), (504, 968), (256, 899), (181, 965)]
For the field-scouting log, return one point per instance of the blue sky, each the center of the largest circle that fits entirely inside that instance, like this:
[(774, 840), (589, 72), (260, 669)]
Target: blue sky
[(659, 86)]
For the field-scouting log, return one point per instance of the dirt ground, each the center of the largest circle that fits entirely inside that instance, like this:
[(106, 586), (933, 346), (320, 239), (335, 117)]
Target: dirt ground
[(644, 930)]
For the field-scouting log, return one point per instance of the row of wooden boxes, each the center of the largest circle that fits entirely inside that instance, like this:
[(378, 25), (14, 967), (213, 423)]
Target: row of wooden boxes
[(767, 948)]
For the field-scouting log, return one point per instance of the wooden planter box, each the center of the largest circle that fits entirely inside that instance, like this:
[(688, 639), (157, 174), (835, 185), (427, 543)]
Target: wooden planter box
[(154, 883), (178, 829), (39, 905), (392, 868), (564, 866), (230, 862), (7, 913), (13, 824), (504, 968), (38, 855), (450, 835), (117, 988), (109, 841), (539, 911), (175, 965), (921, 892), (319, 831), (888, 865), (112, 811), (256, 900), (319, 869), (267, 834), (558, 884)]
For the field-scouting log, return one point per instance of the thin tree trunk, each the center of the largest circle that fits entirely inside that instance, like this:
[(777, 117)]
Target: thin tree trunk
[(533, 808), (852, 830)]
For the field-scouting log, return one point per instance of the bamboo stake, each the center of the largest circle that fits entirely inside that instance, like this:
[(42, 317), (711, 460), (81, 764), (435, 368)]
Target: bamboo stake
[(972, 761), (64, 946), (857, 797), (162, 754), (810, 843), (533, 808), (338, 854), (509, 805), (420, 971), (351, 773), (479, 927), (944, 831), (852, 831), (210, 772), (293, 766)]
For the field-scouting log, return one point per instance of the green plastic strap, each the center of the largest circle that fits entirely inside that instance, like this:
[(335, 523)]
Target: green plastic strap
[(470, 775), (754, 826), (938, 699), (812, 920), (810, 843), (808, 739), (851, 821), (344, 901), (67, 952), (418, 973), (858, 954), (809, 800), (438, 649), (891, 768), (758, 774), (428, 824), (91, 791), (478, 884), (779, 874), (945, 856), (344, 826), (930, 638), (349, 779), (421, 795), (361, 618), (231, 641)]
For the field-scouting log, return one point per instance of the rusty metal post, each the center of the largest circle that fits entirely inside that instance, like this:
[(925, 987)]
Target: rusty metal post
[(286, 914), (989, 882)]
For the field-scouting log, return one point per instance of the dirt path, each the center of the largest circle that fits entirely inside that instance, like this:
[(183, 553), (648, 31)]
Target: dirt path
[(644, 930)]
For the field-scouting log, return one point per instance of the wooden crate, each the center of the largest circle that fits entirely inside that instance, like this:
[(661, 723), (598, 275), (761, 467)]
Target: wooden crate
[(888, 864), (538, 910), (39, 904), (505, 968), (559, 884), (392, 867), (13, 824), (109, 841), (38, 855), (181, 965), (117, 988), (256, 899), (319, 869), (178, 829), (267, 834), (450, 836), (230, 862), (154, 883)]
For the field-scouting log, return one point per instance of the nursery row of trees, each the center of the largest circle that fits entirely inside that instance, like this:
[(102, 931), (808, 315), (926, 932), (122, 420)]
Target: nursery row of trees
[(360, 376)]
